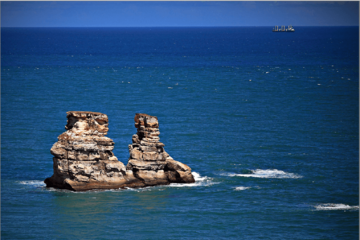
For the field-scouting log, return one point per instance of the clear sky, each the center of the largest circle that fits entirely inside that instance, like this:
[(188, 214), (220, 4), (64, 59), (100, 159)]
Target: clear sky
[(160, 14)]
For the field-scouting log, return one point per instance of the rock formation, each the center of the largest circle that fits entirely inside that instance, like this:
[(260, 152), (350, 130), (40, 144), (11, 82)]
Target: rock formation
[(83, 157), (148, 160)]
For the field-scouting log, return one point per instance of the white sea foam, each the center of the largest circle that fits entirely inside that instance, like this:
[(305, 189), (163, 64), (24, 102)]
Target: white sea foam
[(335, 206), (241, 188), (144, 189), (199, 181), (35, 183), (267, 173)]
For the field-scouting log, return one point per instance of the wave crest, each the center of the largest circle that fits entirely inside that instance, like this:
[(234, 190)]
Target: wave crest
[(267, 173), (34, 183), (335, 206), (241, 188), (199, 181)]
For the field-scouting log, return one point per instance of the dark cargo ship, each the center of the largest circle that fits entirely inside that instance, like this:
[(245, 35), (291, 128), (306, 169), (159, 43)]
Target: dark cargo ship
[(282, 29)]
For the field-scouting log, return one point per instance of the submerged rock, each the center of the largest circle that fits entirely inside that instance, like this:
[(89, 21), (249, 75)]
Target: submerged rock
[(83, 157)]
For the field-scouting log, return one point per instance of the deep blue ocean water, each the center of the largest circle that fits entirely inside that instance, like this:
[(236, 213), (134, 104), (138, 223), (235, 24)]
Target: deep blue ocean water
[(267, 121)]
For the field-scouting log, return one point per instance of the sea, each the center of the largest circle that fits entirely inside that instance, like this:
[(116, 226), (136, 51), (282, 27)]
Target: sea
[(268, 122)]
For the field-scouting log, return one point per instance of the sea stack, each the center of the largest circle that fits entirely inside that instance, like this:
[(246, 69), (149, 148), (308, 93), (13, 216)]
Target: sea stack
[(148, 160), (83, 157)]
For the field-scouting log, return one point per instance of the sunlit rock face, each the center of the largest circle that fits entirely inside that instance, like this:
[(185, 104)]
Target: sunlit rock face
[(83, 157), (148, 159)]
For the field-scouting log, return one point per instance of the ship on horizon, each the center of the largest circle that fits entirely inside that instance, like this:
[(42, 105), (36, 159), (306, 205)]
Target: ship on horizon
[(283, 29)]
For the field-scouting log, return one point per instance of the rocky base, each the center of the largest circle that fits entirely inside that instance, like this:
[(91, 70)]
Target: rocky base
[(83, 157)]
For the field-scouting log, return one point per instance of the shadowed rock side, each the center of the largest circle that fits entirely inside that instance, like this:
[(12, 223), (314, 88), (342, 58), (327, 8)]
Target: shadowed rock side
[(83, 157)]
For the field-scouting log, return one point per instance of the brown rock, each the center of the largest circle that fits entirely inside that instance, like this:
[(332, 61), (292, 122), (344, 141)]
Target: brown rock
[(136, 154), (152, 178), (142, 165), (135, 138), (177, 166), (150, 156), (83, 157), (155, 163)]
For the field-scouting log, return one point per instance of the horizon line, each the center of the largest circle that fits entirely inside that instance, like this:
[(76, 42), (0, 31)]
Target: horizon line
[(179, 26)]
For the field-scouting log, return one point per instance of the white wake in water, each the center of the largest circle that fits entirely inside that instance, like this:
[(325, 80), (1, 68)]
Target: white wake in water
[(199, 181), (241, 188), (335, 206), (267, 173), (34, 183)]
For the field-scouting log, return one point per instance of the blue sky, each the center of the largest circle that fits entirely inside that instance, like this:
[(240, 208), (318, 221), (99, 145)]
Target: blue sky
[(160, 14)]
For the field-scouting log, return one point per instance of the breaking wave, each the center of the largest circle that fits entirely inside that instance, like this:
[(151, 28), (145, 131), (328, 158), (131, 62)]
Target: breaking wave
[(241, 188), (335, 206), (267, 173), (199, 181), (34, 183)]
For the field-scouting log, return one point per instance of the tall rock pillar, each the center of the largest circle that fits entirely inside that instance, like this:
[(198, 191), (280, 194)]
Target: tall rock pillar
[(148, 159), (83, 157)]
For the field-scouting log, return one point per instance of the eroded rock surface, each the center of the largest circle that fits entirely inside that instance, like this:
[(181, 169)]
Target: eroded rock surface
[(83, 157), (148, 159)]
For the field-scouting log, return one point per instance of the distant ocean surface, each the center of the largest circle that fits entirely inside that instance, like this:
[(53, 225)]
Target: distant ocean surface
[(268, 122)]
